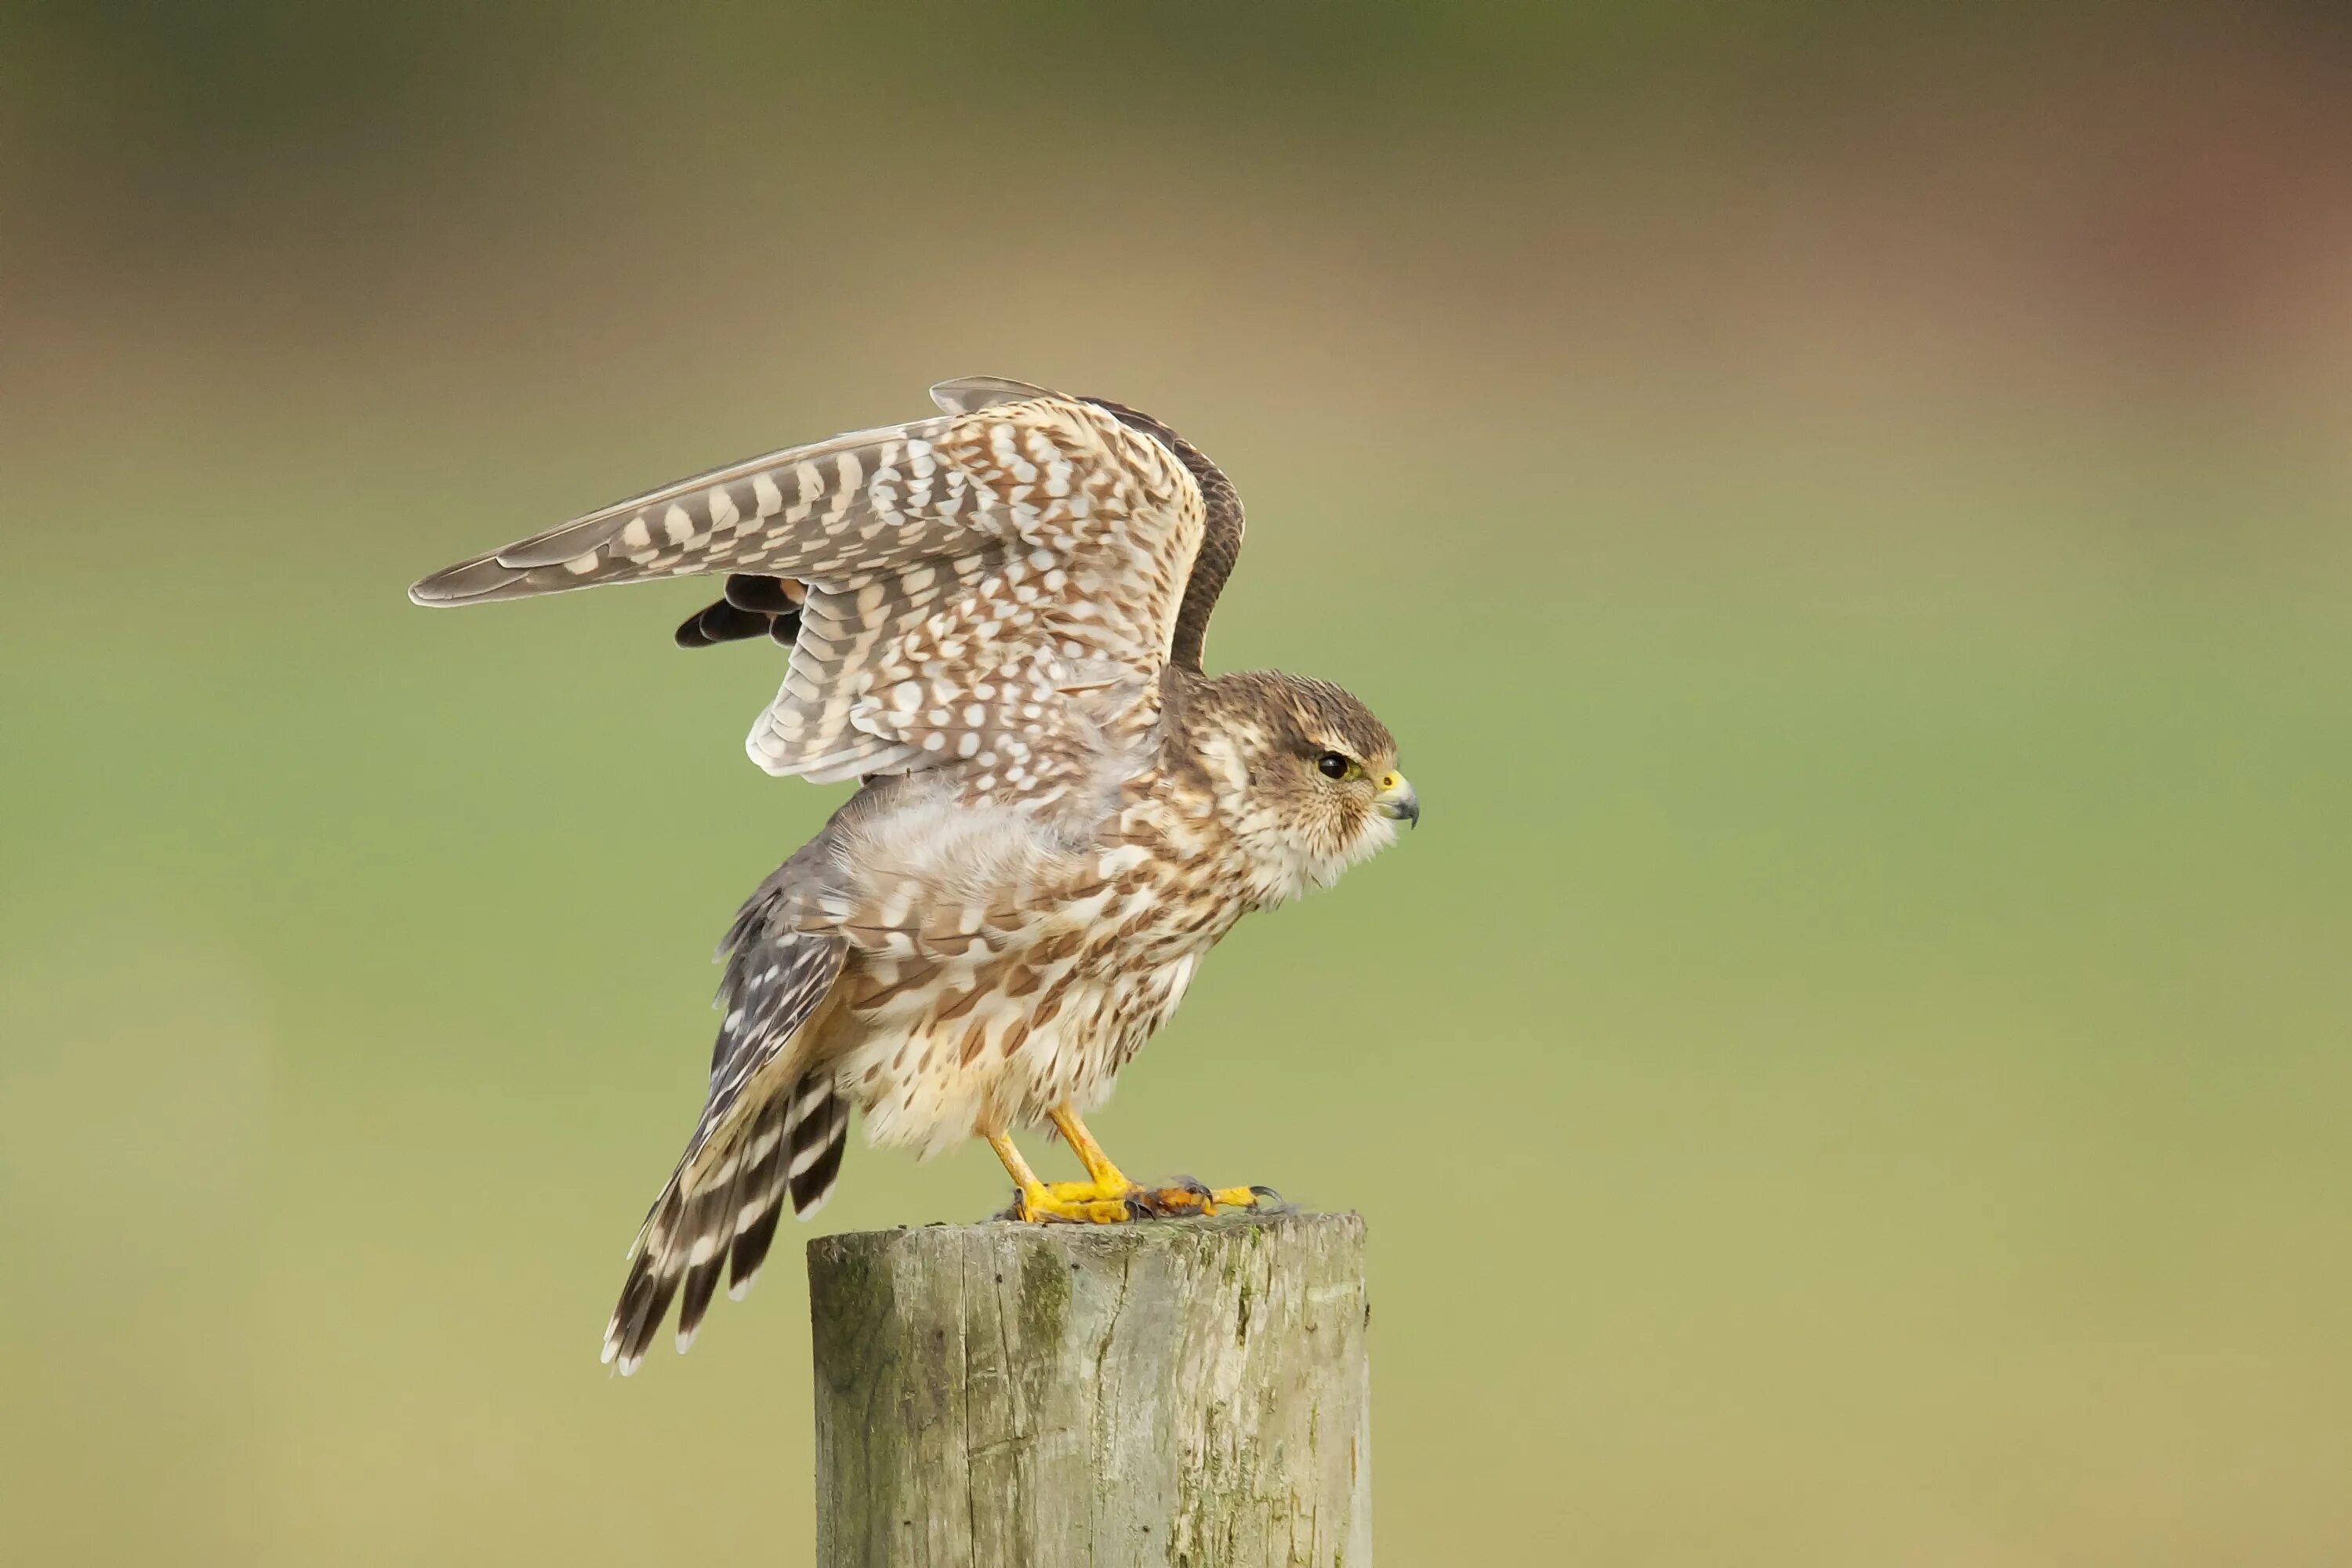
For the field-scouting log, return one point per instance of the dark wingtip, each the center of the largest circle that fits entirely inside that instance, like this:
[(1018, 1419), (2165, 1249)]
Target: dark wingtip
[(769, 595), (720, 623)]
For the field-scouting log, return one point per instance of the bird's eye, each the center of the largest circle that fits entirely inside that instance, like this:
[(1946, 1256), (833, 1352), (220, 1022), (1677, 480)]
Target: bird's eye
[(1333, 765)]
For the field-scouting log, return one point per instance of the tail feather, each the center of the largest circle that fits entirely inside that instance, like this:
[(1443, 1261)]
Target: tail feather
[(817, 1141), (727, 1223), (718, 1210), (645, 1302), (712, 1237), (760, 1200)]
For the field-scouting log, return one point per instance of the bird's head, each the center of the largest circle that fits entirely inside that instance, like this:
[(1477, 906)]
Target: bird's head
[(1302, 774)]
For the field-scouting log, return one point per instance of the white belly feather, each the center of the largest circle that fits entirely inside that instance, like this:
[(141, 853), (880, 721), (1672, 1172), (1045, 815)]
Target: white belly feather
[(921, 1087)]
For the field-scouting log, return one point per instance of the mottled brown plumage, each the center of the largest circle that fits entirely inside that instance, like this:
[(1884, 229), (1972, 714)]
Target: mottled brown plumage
[(998, 618)]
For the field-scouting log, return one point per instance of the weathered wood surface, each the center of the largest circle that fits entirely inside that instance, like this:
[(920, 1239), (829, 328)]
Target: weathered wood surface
[(1169, 1391)]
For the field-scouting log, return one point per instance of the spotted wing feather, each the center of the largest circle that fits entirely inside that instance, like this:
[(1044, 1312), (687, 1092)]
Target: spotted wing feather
[(833, 509), (971, 656), (964, 574)]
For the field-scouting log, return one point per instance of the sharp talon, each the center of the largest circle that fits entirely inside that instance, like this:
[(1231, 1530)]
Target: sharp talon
[(1267, 1195)]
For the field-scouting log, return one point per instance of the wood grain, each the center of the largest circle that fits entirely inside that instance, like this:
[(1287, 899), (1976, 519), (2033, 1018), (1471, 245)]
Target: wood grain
[(1172, 1391)]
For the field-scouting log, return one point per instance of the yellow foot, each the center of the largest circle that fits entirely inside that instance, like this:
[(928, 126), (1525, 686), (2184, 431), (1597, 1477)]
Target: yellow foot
[(1071, 1203), (1106, 1196), (1061, 1200)]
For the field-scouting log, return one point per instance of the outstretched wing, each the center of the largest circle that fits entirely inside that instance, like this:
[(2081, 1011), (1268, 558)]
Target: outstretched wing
[(963, 572)]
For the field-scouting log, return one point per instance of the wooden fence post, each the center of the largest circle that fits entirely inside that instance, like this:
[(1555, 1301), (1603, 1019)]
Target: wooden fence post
[(1168, 1392)]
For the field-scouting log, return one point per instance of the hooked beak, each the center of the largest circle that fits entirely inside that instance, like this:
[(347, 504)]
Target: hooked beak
[(1396, 800)]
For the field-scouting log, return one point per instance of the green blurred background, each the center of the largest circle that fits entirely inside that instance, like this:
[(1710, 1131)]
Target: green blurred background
[(1845, 507)]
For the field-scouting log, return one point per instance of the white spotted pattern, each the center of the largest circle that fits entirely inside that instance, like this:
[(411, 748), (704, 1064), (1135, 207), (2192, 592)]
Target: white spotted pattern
[(966, 574)]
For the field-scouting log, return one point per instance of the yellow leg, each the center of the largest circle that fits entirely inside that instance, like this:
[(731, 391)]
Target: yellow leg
[(1015, 1166), (1104, 1181), (1089, 1153)]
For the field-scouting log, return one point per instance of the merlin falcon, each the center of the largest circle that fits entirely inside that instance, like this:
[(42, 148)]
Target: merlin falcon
[(996, 619)]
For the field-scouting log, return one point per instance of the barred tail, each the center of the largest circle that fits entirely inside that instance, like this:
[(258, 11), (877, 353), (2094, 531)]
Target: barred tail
[(724, 1218), (814, 1142)]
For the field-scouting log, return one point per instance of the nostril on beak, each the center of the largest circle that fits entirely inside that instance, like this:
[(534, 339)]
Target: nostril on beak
[(1397, 801)]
